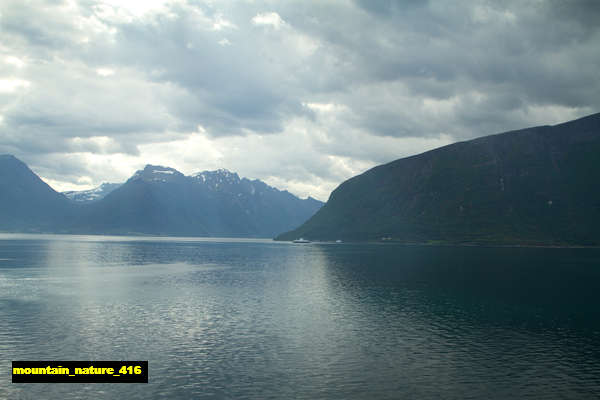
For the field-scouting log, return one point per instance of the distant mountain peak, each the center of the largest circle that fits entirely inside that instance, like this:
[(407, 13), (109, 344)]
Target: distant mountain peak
[(159, 169), (155, 200), (217, 177), (162, 200), (26, 202), (157, 173), (220, 171), (9, 158), (11, 168)]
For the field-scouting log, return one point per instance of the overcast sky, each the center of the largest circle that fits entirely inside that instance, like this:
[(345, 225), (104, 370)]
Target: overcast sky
[(301, 94)]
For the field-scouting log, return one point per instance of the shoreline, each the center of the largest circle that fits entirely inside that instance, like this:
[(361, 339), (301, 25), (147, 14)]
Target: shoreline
[(385, 242), (512, 245)]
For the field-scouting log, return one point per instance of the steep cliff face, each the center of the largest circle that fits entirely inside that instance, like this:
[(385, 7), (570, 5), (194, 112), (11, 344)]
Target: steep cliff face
[(533, 186)]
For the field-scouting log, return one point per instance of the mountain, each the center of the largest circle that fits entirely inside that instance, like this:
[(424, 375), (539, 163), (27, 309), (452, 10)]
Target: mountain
[(84, 196), (161, 200), (156, 200), (27, 203), (534, 186)]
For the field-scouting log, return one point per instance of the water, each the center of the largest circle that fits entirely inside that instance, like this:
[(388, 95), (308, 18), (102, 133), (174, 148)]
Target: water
[(256, 319)]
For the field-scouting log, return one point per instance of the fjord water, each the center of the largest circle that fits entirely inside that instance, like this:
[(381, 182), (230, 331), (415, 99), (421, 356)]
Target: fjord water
[(256, 319)]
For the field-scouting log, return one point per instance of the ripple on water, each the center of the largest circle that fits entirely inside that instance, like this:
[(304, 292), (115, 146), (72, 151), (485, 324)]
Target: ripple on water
[(253, 320)]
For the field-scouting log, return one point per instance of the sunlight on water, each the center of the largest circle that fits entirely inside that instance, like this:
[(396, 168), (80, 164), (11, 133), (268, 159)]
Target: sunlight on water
[(226, 318)]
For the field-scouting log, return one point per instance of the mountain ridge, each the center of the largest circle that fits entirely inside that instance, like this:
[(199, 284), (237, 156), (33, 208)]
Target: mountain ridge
[(26, 202), (154, 200), (527, 186), (104, 188)]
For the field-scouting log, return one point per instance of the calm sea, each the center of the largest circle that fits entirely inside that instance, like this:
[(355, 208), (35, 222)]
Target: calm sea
[(256, 319)]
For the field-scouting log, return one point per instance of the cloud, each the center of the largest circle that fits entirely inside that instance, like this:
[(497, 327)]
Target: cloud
[(268, 19), (12, 84), (301, 94), (14, 61), (105, 71)]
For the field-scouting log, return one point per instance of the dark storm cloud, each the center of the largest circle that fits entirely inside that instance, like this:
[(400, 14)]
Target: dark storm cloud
[(101, 79), (514, 56)]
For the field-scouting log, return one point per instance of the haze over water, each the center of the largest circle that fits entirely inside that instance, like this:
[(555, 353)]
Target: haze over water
[(255, 319)]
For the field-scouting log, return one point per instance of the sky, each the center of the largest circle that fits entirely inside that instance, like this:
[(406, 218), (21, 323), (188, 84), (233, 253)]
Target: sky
[(300, 94)]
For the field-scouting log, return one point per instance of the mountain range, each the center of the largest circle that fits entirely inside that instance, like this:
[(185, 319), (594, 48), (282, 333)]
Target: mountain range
[(535, 186), (156, 200)]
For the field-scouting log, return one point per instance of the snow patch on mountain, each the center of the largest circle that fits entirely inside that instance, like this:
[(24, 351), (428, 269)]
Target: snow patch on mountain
[(97, 193)]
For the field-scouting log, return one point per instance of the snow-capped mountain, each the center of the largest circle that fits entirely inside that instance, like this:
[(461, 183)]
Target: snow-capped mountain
[(155, 200), (219, 178), (227, 181), (162, 200), (97, 193), (157, 173)]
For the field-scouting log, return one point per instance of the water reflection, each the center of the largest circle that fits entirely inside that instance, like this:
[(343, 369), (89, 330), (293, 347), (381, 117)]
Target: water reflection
[(257, 319), (528, 316)]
